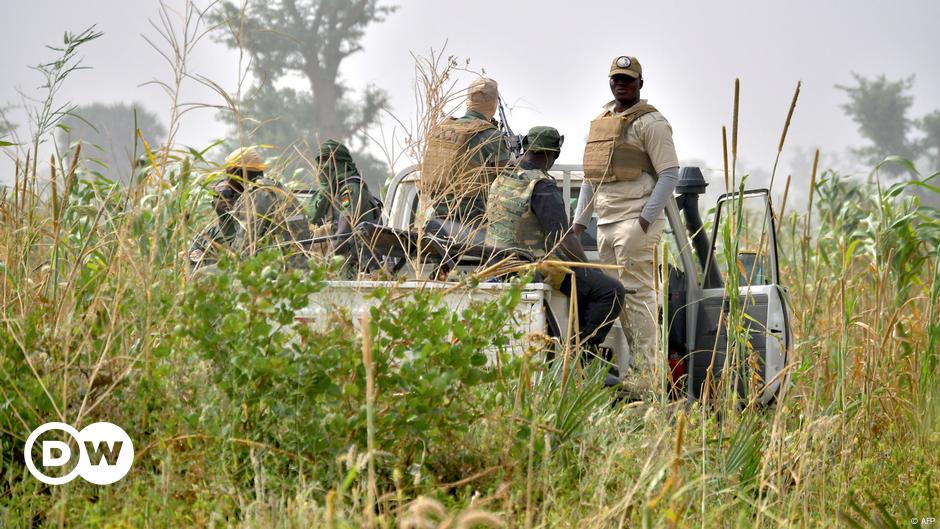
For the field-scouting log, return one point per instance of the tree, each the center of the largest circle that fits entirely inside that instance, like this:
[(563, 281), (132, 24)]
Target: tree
[(6, 127), (309, 39), (930, 127), (880, 109), (108, 134)]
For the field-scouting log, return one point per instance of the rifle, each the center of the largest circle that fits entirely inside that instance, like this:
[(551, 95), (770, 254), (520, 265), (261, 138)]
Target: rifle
[(513, 141)]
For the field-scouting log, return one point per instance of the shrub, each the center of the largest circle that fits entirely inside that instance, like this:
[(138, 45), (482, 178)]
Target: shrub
[(300, 390)]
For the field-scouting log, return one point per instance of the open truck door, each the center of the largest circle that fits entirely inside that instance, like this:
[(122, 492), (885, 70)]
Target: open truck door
[(744, 239)]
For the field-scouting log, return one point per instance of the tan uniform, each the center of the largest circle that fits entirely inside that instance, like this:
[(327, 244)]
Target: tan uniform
[(621, 240)]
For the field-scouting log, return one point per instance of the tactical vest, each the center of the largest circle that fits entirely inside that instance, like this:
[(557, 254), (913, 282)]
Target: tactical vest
[(207, 246), (285, 225), (448, 167), (324, 208), (607, 155), (510, 221)]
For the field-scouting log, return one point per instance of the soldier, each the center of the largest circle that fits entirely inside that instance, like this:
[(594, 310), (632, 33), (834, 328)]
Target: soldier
[(631, 162), (217, 237), (526, 210), (343, 199), (266, 213), (464, 155)]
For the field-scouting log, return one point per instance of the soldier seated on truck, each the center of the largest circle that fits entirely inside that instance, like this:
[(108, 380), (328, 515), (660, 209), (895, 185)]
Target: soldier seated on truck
[(216, 238), (343, 199), (463, 157), (526, 210), (266, 213)]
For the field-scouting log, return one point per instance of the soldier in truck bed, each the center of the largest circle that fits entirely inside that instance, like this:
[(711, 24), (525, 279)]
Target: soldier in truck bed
[(526, 210), (216, 238), (343, 199), (266, 213), (219, 236), (464, 155)]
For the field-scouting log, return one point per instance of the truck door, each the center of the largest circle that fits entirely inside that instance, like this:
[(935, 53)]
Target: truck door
[(753, 361)]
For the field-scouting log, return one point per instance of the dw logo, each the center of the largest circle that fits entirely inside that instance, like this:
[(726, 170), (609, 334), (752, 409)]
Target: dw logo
[(105, 453)]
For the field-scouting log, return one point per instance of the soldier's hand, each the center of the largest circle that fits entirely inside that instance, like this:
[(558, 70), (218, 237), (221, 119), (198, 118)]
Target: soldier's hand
[(577, 229), (644, 224)]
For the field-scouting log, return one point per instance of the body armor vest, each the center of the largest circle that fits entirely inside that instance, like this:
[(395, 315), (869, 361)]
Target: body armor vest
[(510, 221), (279, 220), (607, 155), (448, 167)]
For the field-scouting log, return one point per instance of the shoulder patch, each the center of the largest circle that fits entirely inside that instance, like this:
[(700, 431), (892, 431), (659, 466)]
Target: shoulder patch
[(345, 198)]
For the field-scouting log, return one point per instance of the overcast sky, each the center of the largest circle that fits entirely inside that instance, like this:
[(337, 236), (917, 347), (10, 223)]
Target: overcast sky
[(550, 59)]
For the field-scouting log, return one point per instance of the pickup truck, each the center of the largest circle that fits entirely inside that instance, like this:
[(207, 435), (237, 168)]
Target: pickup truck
[(695, 308)]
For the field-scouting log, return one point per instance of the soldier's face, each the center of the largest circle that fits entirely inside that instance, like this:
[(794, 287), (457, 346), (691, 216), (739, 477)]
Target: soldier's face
[(552, 156), (225, 197), (327, 164), (625, 88)]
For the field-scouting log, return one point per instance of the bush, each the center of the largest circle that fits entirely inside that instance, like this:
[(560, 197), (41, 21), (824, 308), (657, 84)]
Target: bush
[(298, 390)]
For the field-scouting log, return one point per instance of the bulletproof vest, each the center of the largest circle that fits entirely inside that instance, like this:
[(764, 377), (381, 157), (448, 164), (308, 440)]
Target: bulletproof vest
[(207, 246), (607, 156), (448, 167), (510, 221), (284, 224)]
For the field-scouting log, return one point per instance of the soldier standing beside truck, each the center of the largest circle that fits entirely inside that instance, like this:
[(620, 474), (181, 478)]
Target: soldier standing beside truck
[(526, 210), (464, 156), (631, 166)]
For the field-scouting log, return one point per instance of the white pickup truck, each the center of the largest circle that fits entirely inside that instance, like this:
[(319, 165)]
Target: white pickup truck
[(692, 306)]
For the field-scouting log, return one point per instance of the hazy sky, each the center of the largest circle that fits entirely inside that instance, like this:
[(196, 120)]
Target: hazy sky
[(551, 61)]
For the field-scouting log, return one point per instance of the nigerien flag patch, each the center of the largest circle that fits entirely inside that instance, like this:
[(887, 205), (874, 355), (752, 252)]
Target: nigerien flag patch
[(345, 200)]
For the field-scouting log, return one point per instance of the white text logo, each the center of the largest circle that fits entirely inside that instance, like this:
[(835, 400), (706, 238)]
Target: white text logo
[(105, 453)]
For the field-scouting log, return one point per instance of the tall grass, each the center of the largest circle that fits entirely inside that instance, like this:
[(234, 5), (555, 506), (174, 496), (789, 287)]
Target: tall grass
[(242, 427)]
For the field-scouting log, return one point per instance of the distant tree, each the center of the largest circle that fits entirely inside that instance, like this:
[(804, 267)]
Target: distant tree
[(6, 127), (108, 134), (930, 127), (880, 108), (307, 39)]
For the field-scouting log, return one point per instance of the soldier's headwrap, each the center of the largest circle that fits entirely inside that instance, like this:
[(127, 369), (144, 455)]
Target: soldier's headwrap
[(483, 97), (335, 163)]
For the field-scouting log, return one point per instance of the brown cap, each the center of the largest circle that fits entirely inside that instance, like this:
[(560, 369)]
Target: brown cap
[(626, 65)]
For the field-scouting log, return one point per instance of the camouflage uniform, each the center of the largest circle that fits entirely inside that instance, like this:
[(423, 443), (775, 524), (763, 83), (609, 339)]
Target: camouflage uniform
[(265, 212), (217, 237), (510, 220), (208, 246), (486, 147), (268, 214), (342, 192), (516, 220)]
